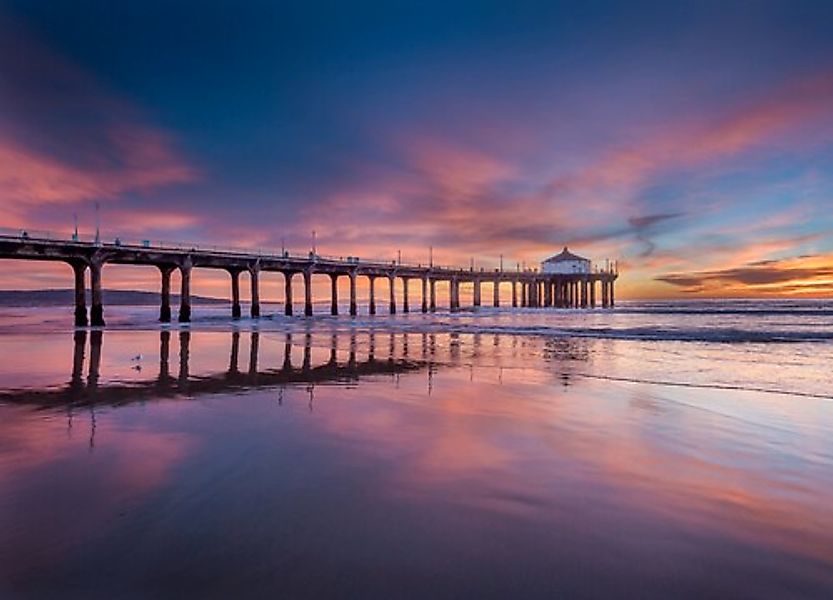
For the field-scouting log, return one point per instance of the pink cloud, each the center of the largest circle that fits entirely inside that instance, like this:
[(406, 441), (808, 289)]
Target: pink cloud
[(106, 149), (146, 160)]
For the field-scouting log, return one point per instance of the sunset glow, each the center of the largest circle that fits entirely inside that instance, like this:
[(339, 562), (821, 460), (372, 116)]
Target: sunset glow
[(694, 146)]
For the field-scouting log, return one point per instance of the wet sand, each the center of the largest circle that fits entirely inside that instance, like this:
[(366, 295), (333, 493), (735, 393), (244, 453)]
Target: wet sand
[(310, 461)]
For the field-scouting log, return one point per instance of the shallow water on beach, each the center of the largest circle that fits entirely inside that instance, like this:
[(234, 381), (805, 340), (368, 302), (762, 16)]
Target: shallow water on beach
[(490, 454)]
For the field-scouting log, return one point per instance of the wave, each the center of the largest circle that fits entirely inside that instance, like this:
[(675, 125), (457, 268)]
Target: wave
[(704, 335), (727, 335), (725, 322)]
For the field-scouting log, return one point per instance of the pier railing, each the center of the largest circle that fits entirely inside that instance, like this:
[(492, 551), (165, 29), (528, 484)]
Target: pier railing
[(87, 239)]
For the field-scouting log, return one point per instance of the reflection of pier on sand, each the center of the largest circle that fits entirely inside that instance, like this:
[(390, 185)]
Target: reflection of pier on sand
[(324, 360)]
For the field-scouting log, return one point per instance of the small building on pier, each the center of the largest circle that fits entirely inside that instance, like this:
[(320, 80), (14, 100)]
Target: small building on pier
[(566, 263)]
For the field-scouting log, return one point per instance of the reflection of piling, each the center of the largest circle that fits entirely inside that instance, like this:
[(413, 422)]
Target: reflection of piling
[(333, 349), (164, 355), (79, 339), (234, 357), (254, 344), (95, 358), (287, 353), (184, 355), (164, 385), (306, 365)]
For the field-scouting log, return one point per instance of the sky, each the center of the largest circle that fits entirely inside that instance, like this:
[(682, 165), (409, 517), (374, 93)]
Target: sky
[(690, 141)]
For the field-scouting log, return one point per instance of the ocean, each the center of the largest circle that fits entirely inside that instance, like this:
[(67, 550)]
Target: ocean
[(659, 449)]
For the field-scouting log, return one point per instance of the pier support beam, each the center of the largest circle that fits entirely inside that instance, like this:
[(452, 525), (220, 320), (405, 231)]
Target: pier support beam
[(476, 284), (454, 295), (334, 294), (353, 305), (185, 293), (424, 295), (592, 293), (523, 294), (611, 293), (235, 293), (308, 292), (97, 308), (254, 277), (405, 305), (287, 293), (392, 296), (165, 295), (79, 270), (514, 294), (496, 293), (432, 284), (372, 305)]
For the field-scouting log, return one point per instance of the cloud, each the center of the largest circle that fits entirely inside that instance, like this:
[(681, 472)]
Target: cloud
[(646, 221), (799, 274), (65, 138)]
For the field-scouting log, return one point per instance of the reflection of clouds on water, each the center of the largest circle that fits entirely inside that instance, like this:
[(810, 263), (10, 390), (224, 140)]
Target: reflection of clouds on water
[(475, 433)]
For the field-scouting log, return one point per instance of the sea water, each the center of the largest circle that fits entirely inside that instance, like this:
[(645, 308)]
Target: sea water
[(664, 449)]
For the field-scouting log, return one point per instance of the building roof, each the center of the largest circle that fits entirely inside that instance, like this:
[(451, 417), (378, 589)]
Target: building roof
[(564, 256)]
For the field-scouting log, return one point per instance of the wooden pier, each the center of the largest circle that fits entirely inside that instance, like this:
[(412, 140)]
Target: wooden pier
[(530, 288)]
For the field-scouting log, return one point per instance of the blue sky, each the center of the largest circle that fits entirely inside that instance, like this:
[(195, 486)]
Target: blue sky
[(693, 142)]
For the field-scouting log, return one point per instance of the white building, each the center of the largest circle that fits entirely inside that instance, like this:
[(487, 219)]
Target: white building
[(566, 263)]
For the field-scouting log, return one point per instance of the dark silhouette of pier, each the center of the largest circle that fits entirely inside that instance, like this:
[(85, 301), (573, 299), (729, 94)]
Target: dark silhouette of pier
[(321, 358), (530, 288), (176, 380)]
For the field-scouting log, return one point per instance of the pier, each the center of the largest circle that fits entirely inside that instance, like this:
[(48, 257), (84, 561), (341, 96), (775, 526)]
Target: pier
[(530, 287)]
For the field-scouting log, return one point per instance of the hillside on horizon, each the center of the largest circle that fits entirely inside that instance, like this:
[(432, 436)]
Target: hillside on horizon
[(64, 297)]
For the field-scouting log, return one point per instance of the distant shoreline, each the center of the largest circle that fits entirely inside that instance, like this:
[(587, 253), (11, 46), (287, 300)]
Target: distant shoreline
[(66, 297)]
